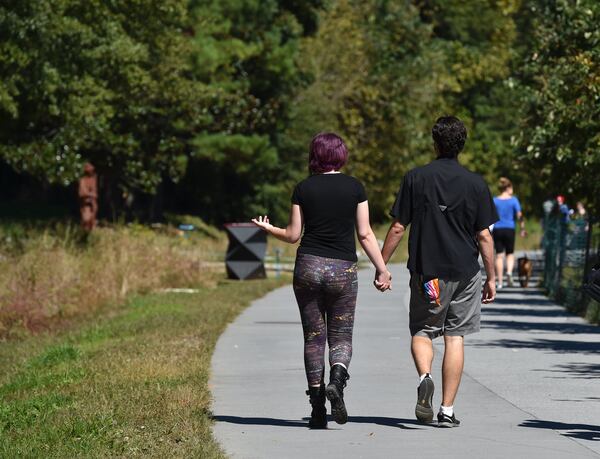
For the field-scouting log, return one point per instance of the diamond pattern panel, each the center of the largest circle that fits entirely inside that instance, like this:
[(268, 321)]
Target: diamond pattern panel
[(246, 251)]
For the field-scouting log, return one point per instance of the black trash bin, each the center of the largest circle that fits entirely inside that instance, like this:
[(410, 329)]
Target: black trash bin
[(246, 251)]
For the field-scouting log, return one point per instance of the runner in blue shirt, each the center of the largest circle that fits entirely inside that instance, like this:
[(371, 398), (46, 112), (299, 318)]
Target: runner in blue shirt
[(509, 210)]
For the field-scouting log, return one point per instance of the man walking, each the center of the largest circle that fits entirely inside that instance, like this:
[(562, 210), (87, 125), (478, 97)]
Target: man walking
[(450, 209)]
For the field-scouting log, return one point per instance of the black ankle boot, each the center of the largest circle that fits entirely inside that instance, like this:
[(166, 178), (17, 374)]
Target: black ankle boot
[(335, 393), (318, 416)]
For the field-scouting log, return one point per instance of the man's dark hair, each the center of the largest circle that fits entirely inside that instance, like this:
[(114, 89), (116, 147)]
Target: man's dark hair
[(449, 134)]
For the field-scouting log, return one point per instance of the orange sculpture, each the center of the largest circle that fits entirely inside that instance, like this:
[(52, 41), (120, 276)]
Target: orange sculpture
[(88, 197)]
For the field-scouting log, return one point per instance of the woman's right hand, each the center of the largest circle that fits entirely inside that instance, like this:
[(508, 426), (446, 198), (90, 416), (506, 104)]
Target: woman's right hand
[(263, 222), (383, 280)]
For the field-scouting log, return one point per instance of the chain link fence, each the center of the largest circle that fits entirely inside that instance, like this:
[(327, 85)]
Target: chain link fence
[(571, 249)]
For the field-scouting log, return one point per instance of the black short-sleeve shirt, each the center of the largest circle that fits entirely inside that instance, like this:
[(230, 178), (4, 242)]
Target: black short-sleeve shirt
[(446, 205), (328, 203)]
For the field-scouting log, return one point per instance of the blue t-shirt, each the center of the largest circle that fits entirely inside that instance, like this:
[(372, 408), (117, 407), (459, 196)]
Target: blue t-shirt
[(566, 214), (507, 211)]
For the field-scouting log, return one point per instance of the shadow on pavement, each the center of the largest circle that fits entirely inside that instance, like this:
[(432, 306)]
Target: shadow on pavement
[(520, 291), (581, 400), (533, 302), (260, 421), (382, 421), (580, 431), (390, 422), (516, 311), (554, 345), (576, 370), (570, 328)]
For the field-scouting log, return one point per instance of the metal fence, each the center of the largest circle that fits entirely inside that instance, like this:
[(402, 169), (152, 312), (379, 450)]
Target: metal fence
[(571, 249)]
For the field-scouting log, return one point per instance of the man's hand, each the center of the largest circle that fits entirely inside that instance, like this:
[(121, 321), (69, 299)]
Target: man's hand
[(486, 248), (383, 281), (489, 291)]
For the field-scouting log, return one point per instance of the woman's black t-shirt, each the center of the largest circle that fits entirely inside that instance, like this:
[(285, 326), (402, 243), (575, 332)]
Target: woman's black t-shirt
[(328, 203)]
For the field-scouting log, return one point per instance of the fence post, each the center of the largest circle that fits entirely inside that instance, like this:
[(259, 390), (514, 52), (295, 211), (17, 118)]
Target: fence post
[(588, 244), (562, 256)]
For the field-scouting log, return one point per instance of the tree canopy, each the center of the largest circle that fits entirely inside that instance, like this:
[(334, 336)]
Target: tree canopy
[(97, 81), (219, 99), (560, 83)]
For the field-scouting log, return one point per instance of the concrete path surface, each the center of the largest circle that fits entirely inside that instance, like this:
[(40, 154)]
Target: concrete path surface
[(531, 387)]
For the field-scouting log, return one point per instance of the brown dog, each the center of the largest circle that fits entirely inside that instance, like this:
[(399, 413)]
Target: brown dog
[(525, 267)]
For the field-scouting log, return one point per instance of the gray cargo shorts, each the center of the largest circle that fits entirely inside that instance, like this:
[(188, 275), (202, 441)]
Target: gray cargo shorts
[(443, 307)]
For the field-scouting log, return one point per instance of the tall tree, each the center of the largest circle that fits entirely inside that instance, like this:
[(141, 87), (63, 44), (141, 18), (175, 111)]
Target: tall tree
[(560, 77), (477, 41), (377, 82), (245, 55), (96, 81)]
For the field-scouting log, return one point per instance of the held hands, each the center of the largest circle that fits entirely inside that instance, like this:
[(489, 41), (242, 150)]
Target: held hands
[(489, 291), (263, 222), (383, 281)]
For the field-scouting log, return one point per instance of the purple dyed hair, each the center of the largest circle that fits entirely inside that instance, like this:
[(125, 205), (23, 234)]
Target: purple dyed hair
[(328, 152)]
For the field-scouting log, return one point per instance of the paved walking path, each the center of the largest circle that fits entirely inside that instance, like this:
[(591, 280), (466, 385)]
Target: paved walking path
[(531, 386)]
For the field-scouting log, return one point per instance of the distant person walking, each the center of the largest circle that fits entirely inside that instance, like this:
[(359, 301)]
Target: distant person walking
[(509, 211), (330, 206), (580, 218), (563, 208), (580, 211), (450, 210)]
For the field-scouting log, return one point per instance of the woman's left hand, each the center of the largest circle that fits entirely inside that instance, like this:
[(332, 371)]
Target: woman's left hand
[(383, 281), (263, 222)]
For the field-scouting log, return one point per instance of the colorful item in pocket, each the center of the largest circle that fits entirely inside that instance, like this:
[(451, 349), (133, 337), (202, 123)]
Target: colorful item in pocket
[(432, 290)]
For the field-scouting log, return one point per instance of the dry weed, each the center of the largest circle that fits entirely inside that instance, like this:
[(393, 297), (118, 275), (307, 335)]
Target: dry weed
[(53, 278)]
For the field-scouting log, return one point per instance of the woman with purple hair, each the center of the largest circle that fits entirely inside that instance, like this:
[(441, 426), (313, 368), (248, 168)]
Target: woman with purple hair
[(330, 206)]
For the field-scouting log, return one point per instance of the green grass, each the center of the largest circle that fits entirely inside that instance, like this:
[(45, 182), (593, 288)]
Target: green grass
[(133, 382), (533, 238)]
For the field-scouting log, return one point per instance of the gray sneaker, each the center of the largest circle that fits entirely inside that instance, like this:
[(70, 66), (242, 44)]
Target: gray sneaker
[(423, 409)]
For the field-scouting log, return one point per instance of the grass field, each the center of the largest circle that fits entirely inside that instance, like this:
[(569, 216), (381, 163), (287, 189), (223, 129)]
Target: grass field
[(52, 273), (533, 238), (130, 383)]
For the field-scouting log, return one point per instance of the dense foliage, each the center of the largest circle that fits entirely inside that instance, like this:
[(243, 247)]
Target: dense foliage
[(102, 81), (560, 135), (381, 82), (245, 59), (218, 100)]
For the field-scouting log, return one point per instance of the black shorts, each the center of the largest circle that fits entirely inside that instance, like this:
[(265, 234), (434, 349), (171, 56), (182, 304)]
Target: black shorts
[(504, 240)]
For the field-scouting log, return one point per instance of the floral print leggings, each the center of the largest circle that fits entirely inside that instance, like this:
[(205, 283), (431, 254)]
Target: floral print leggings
[(325, 290)]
